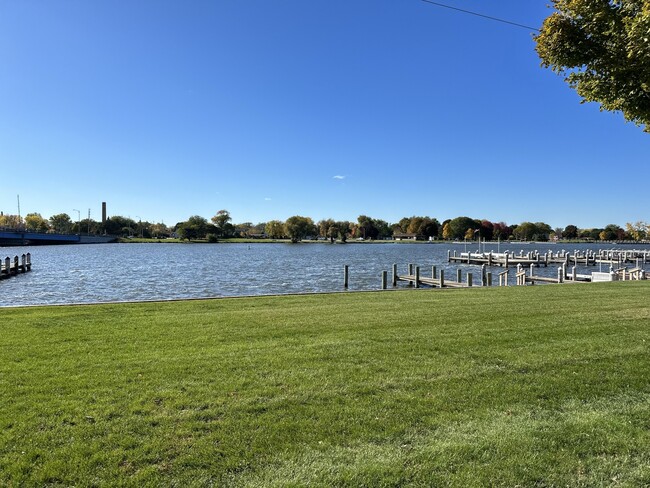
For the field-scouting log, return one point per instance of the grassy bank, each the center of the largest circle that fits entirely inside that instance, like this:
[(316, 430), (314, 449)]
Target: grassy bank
[(529, 386)]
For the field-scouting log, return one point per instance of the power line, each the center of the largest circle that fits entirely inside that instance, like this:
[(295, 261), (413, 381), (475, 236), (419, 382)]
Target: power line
[(496, 19)]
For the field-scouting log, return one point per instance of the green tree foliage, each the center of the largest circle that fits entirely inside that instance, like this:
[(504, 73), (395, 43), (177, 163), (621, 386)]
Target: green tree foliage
[(61, 222), (570, 232), (222, 223), (459, 226), (343, 228), (120, 226), (36, 223), (529, 231), (298, 227), (366, 228), (601, 48), (196, 227)]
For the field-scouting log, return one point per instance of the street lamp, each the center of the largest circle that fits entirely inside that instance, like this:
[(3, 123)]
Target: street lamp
[(78, 220), (479, 239)]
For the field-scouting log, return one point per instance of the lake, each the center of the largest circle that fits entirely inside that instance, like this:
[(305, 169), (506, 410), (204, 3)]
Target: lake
[(132, 272)]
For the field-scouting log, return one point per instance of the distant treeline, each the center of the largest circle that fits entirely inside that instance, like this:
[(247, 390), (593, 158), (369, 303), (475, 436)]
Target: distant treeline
[(298, 227)]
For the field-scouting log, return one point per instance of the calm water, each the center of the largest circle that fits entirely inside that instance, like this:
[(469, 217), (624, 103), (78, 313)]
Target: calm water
[(118, 272)]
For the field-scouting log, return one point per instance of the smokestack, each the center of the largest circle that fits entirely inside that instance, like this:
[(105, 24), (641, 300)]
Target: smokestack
[(103, 213)]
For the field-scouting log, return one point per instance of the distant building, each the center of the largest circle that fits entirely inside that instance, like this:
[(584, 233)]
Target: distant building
[(408, 237)]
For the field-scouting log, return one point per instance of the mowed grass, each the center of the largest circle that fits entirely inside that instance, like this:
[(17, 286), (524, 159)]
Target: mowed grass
[(526, 386)]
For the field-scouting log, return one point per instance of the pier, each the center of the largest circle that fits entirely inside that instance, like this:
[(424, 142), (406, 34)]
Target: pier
[(437, 279), (11, 267), (577, 258)]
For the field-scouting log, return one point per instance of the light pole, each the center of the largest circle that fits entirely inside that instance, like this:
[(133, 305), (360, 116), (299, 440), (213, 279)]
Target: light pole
[(479, 240), (78, 220)]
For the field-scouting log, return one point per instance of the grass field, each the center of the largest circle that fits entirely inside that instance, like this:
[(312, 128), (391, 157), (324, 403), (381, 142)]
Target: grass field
[(520, 386)]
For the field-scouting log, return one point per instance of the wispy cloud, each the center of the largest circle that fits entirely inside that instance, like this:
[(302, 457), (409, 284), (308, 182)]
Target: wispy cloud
[(267, 199), (339, 177)]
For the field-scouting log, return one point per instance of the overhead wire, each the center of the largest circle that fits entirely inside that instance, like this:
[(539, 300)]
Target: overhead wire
[(496, 19)]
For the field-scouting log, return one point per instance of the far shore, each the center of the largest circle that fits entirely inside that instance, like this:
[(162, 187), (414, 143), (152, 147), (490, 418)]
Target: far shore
[(244, 240)]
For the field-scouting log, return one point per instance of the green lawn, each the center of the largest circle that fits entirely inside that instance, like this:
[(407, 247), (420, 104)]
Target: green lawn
[(520, 386)]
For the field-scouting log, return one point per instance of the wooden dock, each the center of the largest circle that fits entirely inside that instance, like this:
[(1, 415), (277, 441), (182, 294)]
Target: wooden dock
[(577, 258), (11, 267), (437, 279)]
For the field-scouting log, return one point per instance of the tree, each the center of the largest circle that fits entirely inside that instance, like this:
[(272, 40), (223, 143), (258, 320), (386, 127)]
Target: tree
[(525, 231), (446, 231), (570, 232), (274, 229), (118, 225), (35, 222), (343, 228), (222, 223), (298, 227), (601, 49), (61, 222), (196, 227), (11, 221), (458, 227), (637, 230), (486, 230), (501, 230), (366, 228)]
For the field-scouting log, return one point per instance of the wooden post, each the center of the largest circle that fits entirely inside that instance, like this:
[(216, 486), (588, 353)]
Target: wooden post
[(417, 277), (346, 273), (384, 279), (532, 266), (394, 275), (434, 272), (459, 275), (489, 278), (560, 275), (483, 274), (410, 271), (442, 278), (7, 265), (469, 280), (449, 255), (29, 259), (506, 259), (564, 275), (489, 258), (23, 263), (574, 273), (15, 264)]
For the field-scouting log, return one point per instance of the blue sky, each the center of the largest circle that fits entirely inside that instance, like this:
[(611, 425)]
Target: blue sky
[(272, 108)]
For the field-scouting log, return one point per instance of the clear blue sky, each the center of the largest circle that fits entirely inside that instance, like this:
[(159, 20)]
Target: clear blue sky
[(272, 108)]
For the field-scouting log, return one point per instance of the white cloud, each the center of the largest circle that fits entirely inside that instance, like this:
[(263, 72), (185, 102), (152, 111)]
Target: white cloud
[(339, 177), (267, 199)]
